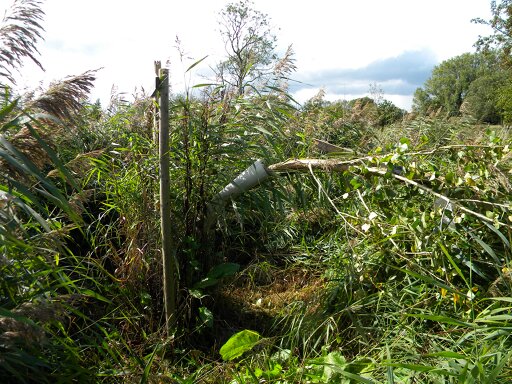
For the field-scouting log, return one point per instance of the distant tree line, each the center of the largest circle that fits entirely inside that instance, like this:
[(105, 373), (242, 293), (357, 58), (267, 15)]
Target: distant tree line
[(469, 84), (475, 84)]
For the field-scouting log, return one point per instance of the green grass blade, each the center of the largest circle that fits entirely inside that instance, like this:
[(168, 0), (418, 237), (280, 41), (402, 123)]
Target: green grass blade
[(441, 319), (63, 171), (196, 63), (149, 363), (486, 247), (429, 280), (454, 265)]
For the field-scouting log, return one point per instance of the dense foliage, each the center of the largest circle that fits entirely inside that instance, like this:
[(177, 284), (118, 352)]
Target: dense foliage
[(501, 38), (467, 84), (378, 250), (474, 84)]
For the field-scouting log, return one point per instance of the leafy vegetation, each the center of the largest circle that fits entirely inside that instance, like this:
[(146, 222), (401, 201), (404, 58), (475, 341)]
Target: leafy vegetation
[(377, 251), (468, 84)]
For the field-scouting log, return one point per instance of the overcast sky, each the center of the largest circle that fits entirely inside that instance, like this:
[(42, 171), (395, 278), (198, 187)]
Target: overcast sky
[(341, 46)]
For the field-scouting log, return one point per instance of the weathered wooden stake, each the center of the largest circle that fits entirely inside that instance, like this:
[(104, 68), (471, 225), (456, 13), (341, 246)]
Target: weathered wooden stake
[(168, 251), (156, 123)]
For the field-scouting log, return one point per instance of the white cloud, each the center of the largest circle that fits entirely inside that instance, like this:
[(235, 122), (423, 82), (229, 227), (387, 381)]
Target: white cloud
[(401, 101), (125, 37)]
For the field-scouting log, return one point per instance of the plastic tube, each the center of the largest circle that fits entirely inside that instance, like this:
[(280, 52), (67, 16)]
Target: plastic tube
[(251, 177)]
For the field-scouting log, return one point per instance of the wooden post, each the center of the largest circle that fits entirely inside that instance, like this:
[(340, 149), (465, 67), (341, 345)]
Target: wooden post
[(156, 123), (168, 251)]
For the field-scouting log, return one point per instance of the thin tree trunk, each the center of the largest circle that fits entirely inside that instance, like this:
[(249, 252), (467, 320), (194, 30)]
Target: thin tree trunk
[(168, 251)]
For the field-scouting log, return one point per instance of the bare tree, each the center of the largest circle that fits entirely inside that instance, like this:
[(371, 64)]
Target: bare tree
[(249, 46)]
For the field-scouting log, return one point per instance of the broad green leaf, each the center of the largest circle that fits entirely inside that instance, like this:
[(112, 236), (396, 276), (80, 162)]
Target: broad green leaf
[(239, 343), (217, 273), (223, 270)]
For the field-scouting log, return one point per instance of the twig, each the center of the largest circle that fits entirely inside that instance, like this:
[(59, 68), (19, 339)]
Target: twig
[(362, 200)]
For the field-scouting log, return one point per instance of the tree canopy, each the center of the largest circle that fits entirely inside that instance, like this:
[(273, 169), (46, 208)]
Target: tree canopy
[(501, 24), (470, 78)]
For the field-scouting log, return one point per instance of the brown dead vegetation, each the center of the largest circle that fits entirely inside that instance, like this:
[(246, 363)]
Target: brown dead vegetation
[(263, 293)]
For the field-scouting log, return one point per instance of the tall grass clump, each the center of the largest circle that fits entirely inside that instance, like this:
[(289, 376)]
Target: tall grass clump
[(56, 322), (216, 134), (44, 283)]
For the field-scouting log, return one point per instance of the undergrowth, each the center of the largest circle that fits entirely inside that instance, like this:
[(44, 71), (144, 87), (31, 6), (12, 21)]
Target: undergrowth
[(378, 253), (396, 269), (390, 262)]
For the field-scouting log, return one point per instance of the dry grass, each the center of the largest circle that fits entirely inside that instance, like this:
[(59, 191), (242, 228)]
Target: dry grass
[(64, 99), (262, 293), (20, 29), (24, 327)]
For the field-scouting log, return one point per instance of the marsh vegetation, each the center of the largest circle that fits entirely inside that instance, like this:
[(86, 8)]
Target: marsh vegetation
[(395, 267)]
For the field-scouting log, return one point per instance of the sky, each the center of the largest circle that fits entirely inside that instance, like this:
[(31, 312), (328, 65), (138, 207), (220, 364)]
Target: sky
[(341, 46)]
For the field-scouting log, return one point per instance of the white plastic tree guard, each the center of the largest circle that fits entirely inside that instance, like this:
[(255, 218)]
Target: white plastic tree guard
[(251, 177)]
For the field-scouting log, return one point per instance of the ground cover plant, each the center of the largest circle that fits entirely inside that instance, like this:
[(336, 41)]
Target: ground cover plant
[(378, 250)]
